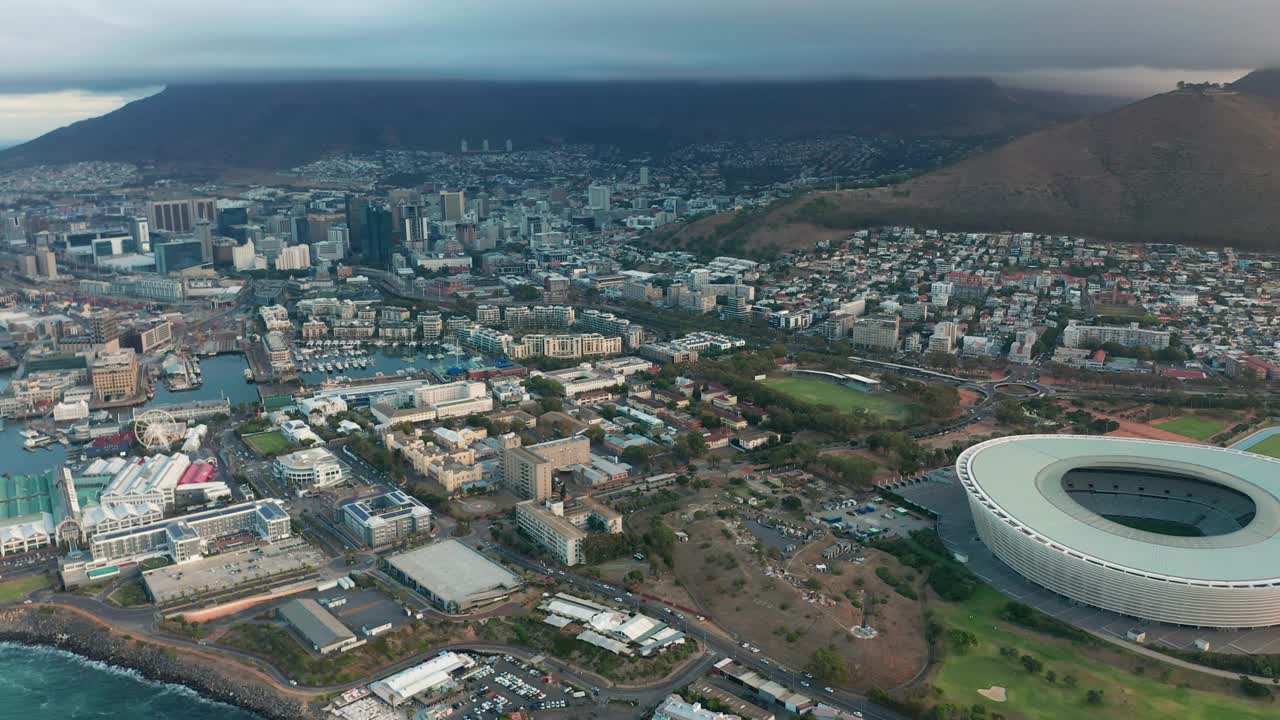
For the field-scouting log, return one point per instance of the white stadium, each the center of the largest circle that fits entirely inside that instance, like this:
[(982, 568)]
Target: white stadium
[(1170, 532)]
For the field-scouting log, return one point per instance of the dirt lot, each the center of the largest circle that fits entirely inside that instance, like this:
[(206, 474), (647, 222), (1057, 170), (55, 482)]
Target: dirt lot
[(768, 606)]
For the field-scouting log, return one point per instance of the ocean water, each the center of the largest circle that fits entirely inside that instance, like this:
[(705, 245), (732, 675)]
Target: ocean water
[(38, 682)]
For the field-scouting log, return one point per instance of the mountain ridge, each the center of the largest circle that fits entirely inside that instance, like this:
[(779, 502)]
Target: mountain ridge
[(282, 124)]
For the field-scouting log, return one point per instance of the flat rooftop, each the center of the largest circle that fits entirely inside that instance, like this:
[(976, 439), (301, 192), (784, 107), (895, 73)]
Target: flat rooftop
[(221, 573), (453, 571)]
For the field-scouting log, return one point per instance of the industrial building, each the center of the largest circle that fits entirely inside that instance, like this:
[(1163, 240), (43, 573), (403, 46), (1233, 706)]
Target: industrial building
[(317, 626), (453, 576), (433, 677)]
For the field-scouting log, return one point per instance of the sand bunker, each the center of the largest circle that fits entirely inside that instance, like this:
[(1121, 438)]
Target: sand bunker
[(995, 692)]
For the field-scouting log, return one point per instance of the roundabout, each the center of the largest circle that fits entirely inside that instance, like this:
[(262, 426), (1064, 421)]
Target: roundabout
[(1169, 532)]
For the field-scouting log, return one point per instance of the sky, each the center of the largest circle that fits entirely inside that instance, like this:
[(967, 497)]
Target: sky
[(65, 60)]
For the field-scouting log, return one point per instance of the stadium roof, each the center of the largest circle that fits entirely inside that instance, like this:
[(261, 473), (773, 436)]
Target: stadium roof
[(1021, 477)]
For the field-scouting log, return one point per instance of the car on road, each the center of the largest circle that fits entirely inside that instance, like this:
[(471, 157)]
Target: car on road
[(830, 690)]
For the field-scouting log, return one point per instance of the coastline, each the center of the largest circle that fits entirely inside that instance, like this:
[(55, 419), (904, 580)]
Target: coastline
[(47, 626)]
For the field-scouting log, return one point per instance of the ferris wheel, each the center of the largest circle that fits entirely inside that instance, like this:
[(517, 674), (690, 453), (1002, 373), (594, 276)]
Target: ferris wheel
[(157, 430)]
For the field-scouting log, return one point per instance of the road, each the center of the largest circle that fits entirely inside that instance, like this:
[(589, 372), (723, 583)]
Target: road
[(715, 642)]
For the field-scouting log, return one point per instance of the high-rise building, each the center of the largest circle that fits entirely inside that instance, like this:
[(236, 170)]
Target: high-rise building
[(27, 266), (876, 333), (103, 329), (944, 337), (180, 216), (356, 235), (115, 374), (204, 233), (177, 255), (140, 231), (454, 205), (598, 197), (294, 257), (377, 221), (340, 234), (528, 472), (508, 144), (14, 231), (644, 176), (47, 264)]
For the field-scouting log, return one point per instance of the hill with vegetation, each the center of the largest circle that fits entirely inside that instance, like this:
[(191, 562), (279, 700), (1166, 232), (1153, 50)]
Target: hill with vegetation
[(1198, 165)]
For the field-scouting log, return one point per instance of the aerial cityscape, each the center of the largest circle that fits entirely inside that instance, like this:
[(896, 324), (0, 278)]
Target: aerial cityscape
[(416, 390)]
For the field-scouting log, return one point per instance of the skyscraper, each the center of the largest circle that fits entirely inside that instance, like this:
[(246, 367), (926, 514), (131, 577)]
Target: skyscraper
[(14, 231), (204, 233), (180, 216), (598, 197), (357, 237), (644, 175), (377, 221), (140, 231), (454, 204)]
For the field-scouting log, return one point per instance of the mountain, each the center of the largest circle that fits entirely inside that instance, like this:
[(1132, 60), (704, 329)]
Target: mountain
[(1197, 165), (278, 125)]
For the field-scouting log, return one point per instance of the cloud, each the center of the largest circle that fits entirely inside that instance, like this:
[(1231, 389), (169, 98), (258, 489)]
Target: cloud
[(26, 115), (107, 46)]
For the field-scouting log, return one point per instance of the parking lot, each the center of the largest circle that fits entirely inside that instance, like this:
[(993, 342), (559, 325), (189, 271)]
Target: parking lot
[(507, 685)]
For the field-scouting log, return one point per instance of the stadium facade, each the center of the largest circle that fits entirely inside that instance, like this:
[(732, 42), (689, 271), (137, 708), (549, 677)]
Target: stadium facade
[(1169, 532)]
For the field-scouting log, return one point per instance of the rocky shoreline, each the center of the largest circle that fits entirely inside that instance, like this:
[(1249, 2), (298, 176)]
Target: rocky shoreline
[(54, 627)]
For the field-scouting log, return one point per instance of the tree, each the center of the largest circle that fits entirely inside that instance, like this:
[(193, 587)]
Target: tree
[(792, 503), (525, 292), (544, 386), (828, 665), (1032, 665), (1094, 697)]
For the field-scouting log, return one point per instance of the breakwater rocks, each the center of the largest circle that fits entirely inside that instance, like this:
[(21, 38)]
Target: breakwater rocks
[(80, 634)]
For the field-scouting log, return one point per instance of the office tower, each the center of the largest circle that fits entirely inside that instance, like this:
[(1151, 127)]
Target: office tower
[(357, 237), (270, 246), (341, 235), (140, 231), (27, 266), (180, 216), (299, 231), (328, 251), (230, 218), (318, 225), (454, 204), (644, 175), (14, 231), (377, 220), (598, 197), (204, 233), (103, 328), (464, 145), (47, 264), (416, 229), (508, 144), (177, 255)]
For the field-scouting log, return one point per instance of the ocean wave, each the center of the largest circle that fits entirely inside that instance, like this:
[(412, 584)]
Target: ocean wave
[(36, 657)]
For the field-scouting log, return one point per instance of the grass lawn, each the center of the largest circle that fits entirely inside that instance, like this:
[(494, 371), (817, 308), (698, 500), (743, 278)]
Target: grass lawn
[(1194, 427), (824, 392), (268, 443), (1269, 447), (19, 588), (1127, 695)]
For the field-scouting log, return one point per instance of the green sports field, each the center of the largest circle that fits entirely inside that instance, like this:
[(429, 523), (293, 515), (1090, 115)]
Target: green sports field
[(824, 392), (1269, 447), (1194, 427), (268, 443), (1127, 695), (19, 588)]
